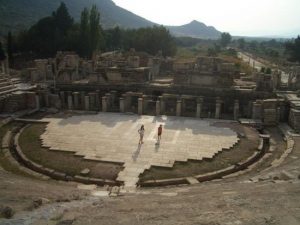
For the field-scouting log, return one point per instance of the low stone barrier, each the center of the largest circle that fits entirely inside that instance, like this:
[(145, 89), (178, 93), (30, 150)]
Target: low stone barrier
[(219, 174), (56, 174)]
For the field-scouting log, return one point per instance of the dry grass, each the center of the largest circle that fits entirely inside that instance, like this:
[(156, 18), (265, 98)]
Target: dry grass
[(64, 162)]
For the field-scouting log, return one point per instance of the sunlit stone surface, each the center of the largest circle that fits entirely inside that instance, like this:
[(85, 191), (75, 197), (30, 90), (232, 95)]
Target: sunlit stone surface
[(114, 137)]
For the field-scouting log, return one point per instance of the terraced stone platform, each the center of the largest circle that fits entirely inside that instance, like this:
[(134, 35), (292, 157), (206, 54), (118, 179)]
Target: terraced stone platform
[(114, 137)]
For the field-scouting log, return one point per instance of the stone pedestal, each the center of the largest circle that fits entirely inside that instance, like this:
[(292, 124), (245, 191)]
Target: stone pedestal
[(178, 108), (87, 103), (157, 109), (70, 102), (140, 106), (236, 110), (218, 109), (76, 100), (104, 104), (122, 105)]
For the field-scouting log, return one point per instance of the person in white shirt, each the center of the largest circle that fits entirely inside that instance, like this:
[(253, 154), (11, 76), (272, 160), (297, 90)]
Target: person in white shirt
[(141, 131)]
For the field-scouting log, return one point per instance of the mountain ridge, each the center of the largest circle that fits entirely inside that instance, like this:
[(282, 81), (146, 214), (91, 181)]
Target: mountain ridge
[(195, 29), (16, 15)]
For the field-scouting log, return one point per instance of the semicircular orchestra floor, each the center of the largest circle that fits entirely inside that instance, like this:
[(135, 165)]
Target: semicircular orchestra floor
[(114, 137)]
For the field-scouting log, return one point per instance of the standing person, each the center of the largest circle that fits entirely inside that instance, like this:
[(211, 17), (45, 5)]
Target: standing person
[(159, 132), (141, 132)]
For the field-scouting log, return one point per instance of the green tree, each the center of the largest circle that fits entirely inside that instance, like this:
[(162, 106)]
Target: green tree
[(62, 18), (116, 37), (48, 35), (241, 43), (293, 49), (268, 71), (225, 39), (253, 45), (10, 49), (211, 52), (84, 33), (95, 30)]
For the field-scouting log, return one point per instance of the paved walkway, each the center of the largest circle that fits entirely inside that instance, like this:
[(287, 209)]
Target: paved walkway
[(114, 137)]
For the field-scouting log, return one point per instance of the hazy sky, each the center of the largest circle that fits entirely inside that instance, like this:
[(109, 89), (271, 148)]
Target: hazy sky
[(239, 17)]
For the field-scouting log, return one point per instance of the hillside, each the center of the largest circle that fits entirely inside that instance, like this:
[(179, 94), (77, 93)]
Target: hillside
[(20, 14), (17, 15), (195, 29)]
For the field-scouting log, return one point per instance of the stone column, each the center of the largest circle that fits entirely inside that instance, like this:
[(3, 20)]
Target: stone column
[(218, 109), (108, 101), (62, 97), (157, 108), (122, 105), (104, 104), (37, 102), (76, 100), (278, 114), (145, 104), (178, 108), (140, 106), (87, 103), (70, 102), (199, 108), (236, 109), (162, 105)]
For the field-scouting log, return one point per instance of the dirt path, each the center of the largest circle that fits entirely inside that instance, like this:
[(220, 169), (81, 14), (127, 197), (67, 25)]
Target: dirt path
[(223, 202)]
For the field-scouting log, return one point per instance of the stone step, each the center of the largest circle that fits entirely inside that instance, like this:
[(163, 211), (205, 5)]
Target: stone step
[(2, 93), (5, 83), (6, 88), (3, 80)]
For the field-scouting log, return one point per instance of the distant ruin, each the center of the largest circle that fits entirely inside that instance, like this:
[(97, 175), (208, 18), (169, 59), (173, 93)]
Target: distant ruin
[(137, 82)]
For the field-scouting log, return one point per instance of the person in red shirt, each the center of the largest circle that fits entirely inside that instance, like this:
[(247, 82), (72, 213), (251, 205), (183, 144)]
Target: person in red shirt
[(159, 132)]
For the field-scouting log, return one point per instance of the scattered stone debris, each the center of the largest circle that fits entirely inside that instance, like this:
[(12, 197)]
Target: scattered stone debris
[(85, 172), (6, 212), (67, 219), (39, 202), (115, 191), (284, 175)]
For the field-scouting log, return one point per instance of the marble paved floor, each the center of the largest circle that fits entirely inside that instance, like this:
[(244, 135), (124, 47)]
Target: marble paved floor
[(114, 137)]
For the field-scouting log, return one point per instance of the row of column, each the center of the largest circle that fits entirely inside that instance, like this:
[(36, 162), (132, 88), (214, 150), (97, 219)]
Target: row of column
[(160, 107), (93, 101)]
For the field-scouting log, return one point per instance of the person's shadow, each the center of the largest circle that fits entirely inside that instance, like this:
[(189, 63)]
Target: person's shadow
[(135, 155), (157, 146)]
